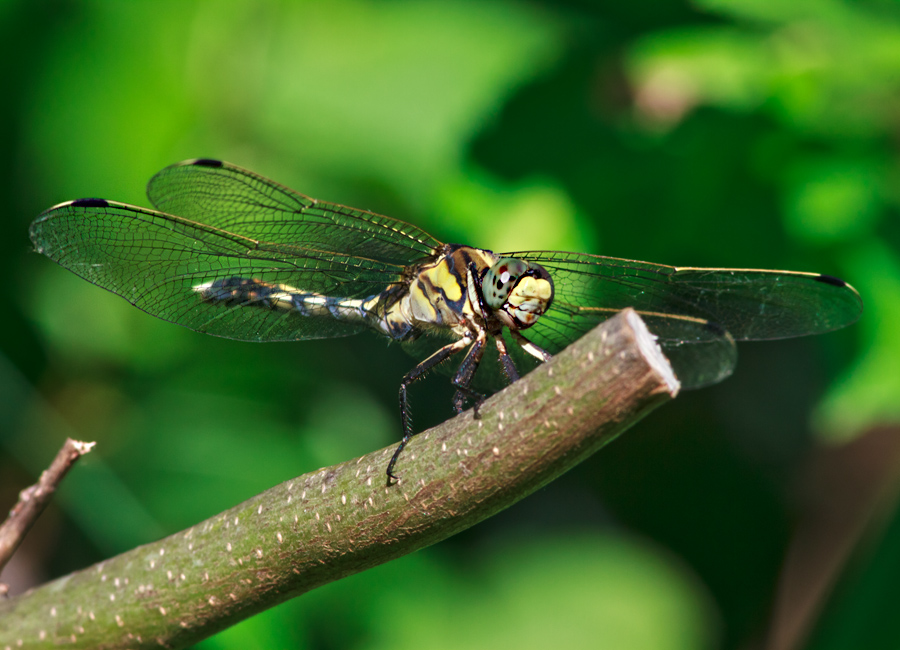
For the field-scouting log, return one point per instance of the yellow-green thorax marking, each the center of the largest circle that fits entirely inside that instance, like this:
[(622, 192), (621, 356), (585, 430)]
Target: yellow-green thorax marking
[(439, 293), (468, 289)]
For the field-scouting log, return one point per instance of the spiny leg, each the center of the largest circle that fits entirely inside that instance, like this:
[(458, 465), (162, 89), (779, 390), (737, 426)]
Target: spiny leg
[(467, 370), (464, 374), (413, 375), (509, 368)]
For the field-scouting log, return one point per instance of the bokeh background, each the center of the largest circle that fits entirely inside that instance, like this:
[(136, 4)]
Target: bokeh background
[(751, 133)]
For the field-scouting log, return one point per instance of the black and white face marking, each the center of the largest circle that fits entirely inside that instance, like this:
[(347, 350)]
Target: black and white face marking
[(518, 292)]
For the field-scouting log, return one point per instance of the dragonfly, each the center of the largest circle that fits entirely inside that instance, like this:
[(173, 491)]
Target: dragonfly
[(233, 254)]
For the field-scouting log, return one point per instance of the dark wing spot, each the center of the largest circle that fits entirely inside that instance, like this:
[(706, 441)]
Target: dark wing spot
[(207, 162), (89, 203), (833, 281)]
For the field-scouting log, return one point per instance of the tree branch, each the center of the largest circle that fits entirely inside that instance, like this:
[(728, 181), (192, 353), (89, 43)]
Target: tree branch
[(339, 520), (33, 500)]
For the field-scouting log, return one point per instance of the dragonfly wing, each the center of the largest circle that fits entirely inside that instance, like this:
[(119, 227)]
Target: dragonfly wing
[(695, 313), (761, 305), (157, 261), (231, 198)]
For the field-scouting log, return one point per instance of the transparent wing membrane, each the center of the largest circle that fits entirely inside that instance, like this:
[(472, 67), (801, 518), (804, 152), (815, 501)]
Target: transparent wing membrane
[(697, 314), (230, 198), (157, 261)]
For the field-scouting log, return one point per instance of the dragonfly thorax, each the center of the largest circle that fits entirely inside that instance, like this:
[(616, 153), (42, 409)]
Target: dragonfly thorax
[(517, 291)]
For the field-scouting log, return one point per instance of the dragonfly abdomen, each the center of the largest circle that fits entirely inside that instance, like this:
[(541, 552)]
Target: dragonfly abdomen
[(251, 293), (247, 292)]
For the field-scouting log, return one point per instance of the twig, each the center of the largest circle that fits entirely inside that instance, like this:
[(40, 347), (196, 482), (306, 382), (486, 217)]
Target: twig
[(33, 500), (340, 520)]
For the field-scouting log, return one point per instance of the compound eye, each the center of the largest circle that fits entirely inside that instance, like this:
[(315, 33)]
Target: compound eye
[(500, 280), (529, 299)]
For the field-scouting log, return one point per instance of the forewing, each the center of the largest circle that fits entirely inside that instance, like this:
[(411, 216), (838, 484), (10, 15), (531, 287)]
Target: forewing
[(695, 313), (231, 198), (154, 261)]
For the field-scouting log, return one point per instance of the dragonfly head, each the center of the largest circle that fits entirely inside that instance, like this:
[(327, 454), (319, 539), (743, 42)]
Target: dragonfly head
[(519, 292)]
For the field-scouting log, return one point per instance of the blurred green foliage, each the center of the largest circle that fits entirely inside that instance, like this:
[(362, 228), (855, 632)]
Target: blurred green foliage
[(751, 133)]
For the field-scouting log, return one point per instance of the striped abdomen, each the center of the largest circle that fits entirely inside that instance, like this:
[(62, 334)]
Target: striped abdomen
[(376, 311)]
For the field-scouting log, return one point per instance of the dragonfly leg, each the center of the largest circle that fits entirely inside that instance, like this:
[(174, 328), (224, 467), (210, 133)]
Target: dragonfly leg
[(539, 353), (509, 368), (464, 374), (413, 375), (464, 392)]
